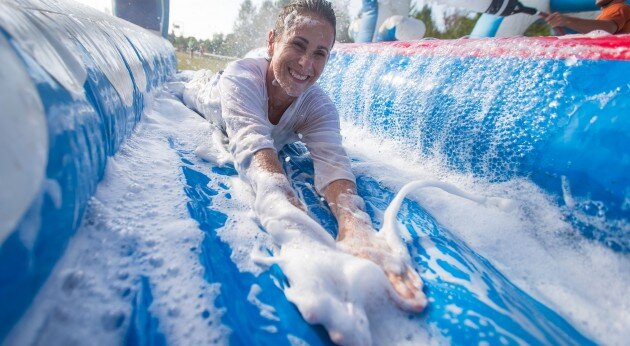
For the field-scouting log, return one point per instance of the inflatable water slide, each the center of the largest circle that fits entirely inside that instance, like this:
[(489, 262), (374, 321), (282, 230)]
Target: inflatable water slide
[(119, 224)]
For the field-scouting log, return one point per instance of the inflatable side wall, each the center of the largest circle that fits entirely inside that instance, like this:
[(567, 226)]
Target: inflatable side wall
[(72, 84), (149, 14), (546, 109)]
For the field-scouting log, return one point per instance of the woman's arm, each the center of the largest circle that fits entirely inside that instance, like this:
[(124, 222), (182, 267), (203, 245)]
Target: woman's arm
[(266, 161), (357, 237), (348, 208)]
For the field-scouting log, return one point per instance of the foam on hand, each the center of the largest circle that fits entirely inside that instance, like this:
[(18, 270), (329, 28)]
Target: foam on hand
[(329, 286)]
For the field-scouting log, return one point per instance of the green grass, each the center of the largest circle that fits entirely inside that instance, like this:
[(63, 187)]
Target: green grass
[(185, 62)]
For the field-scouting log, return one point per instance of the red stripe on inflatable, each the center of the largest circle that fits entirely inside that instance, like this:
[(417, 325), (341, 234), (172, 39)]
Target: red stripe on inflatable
[(607, 47)]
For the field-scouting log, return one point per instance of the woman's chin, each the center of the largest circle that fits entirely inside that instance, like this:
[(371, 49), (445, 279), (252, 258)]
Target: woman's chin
[(295, 91), (294, 88)]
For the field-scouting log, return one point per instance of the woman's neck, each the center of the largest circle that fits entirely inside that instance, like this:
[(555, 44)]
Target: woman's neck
[(278, 99)]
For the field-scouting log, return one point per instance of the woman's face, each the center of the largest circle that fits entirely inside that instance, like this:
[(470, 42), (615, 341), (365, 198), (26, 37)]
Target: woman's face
[(299, 55)]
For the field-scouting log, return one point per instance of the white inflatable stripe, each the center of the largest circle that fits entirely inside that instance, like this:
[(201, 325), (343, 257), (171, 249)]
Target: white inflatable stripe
[(23, 139)]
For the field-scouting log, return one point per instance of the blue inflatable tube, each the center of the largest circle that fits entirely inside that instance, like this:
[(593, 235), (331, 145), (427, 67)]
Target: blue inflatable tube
[(539, 111), (572, 5), (149, 14), (368, 21), (487, 26), (89, 72)]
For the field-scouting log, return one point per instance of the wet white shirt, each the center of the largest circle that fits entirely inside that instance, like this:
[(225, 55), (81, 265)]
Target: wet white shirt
[(237, 102)]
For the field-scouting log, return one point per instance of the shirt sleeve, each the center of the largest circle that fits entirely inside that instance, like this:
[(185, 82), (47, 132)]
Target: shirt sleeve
[(201, 95), (243, 106), (321, 135), (620, 16)]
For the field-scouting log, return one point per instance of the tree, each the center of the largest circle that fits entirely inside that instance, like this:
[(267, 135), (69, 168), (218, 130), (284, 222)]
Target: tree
[(252, 26), (343, 20), (456, 25), (539, 28), (245, 32), (459, 26), (425, 16), (214, 46)]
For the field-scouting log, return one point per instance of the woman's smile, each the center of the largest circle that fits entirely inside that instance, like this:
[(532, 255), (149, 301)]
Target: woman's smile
[(300, 77)]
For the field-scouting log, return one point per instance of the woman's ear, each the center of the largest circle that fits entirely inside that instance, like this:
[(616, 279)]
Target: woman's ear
[(270, 43)]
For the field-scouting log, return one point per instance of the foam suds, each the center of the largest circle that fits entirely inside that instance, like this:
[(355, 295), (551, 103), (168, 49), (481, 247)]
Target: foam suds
[(393, 231), (214, 149), (527, 239), (136, 225), (329, 286)]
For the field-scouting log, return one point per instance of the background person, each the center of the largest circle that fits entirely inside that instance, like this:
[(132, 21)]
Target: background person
[(614, 19)]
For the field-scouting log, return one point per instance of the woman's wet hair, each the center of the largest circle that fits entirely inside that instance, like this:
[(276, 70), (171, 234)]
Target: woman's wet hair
[(320, 8)]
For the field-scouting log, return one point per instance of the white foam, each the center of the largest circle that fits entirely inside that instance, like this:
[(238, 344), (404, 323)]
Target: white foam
[(528, 241), (214, 147), (137, 224), (266, 311)]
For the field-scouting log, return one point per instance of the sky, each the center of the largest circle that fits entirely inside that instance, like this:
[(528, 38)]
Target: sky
[(203, 18)]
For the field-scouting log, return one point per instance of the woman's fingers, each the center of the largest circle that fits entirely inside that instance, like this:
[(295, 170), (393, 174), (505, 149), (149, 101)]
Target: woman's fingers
[(412, 280), (296, 202), (415, 278), (400, 286), (407, 290), (405, 287)]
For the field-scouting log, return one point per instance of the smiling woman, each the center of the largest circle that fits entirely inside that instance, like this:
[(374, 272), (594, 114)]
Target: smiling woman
[(261, 105), (298, 56)]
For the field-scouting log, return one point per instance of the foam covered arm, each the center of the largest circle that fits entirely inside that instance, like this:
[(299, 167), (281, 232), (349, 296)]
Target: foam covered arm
[(347, 206), (265, 163)]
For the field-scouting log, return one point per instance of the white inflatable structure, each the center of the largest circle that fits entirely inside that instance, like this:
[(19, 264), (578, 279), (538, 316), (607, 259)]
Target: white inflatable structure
[(503, 18), (386, 20)]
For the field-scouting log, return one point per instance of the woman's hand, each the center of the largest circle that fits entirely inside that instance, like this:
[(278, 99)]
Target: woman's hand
[(357, 237)]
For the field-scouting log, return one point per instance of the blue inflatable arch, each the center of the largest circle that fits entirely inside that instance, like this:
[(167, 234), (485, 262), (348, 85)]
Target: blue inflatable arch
[(85, 74)]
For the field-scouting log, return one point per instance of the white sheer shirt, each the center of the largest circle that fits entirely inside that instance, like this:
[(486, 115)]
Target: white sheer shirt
[(237, 101)]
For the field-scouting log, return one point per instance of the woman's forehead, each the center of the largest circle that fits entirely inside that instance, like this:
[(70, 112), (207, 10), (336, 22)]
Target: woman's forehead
[(309, 25), (296, 21)]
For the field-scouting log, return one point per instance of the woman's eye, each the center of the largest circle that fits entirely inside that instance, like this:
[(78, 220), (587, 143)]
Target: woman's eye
[(298, 45)]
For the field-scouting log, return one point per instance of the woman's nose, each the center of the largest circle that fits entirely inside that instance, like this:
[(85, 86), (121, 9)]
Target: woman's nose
[(306, 61)]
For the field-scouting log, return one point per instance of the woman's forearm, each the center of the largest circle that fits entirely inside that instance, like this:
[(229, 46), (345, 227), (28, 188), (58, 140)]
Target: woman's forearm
[(266, 160), (265, 172), (347, 206)]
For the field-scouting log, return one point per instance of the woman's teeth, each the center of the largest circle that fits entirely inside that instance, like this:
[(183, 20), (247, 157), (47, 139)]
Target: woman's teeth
[(297, 75)]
